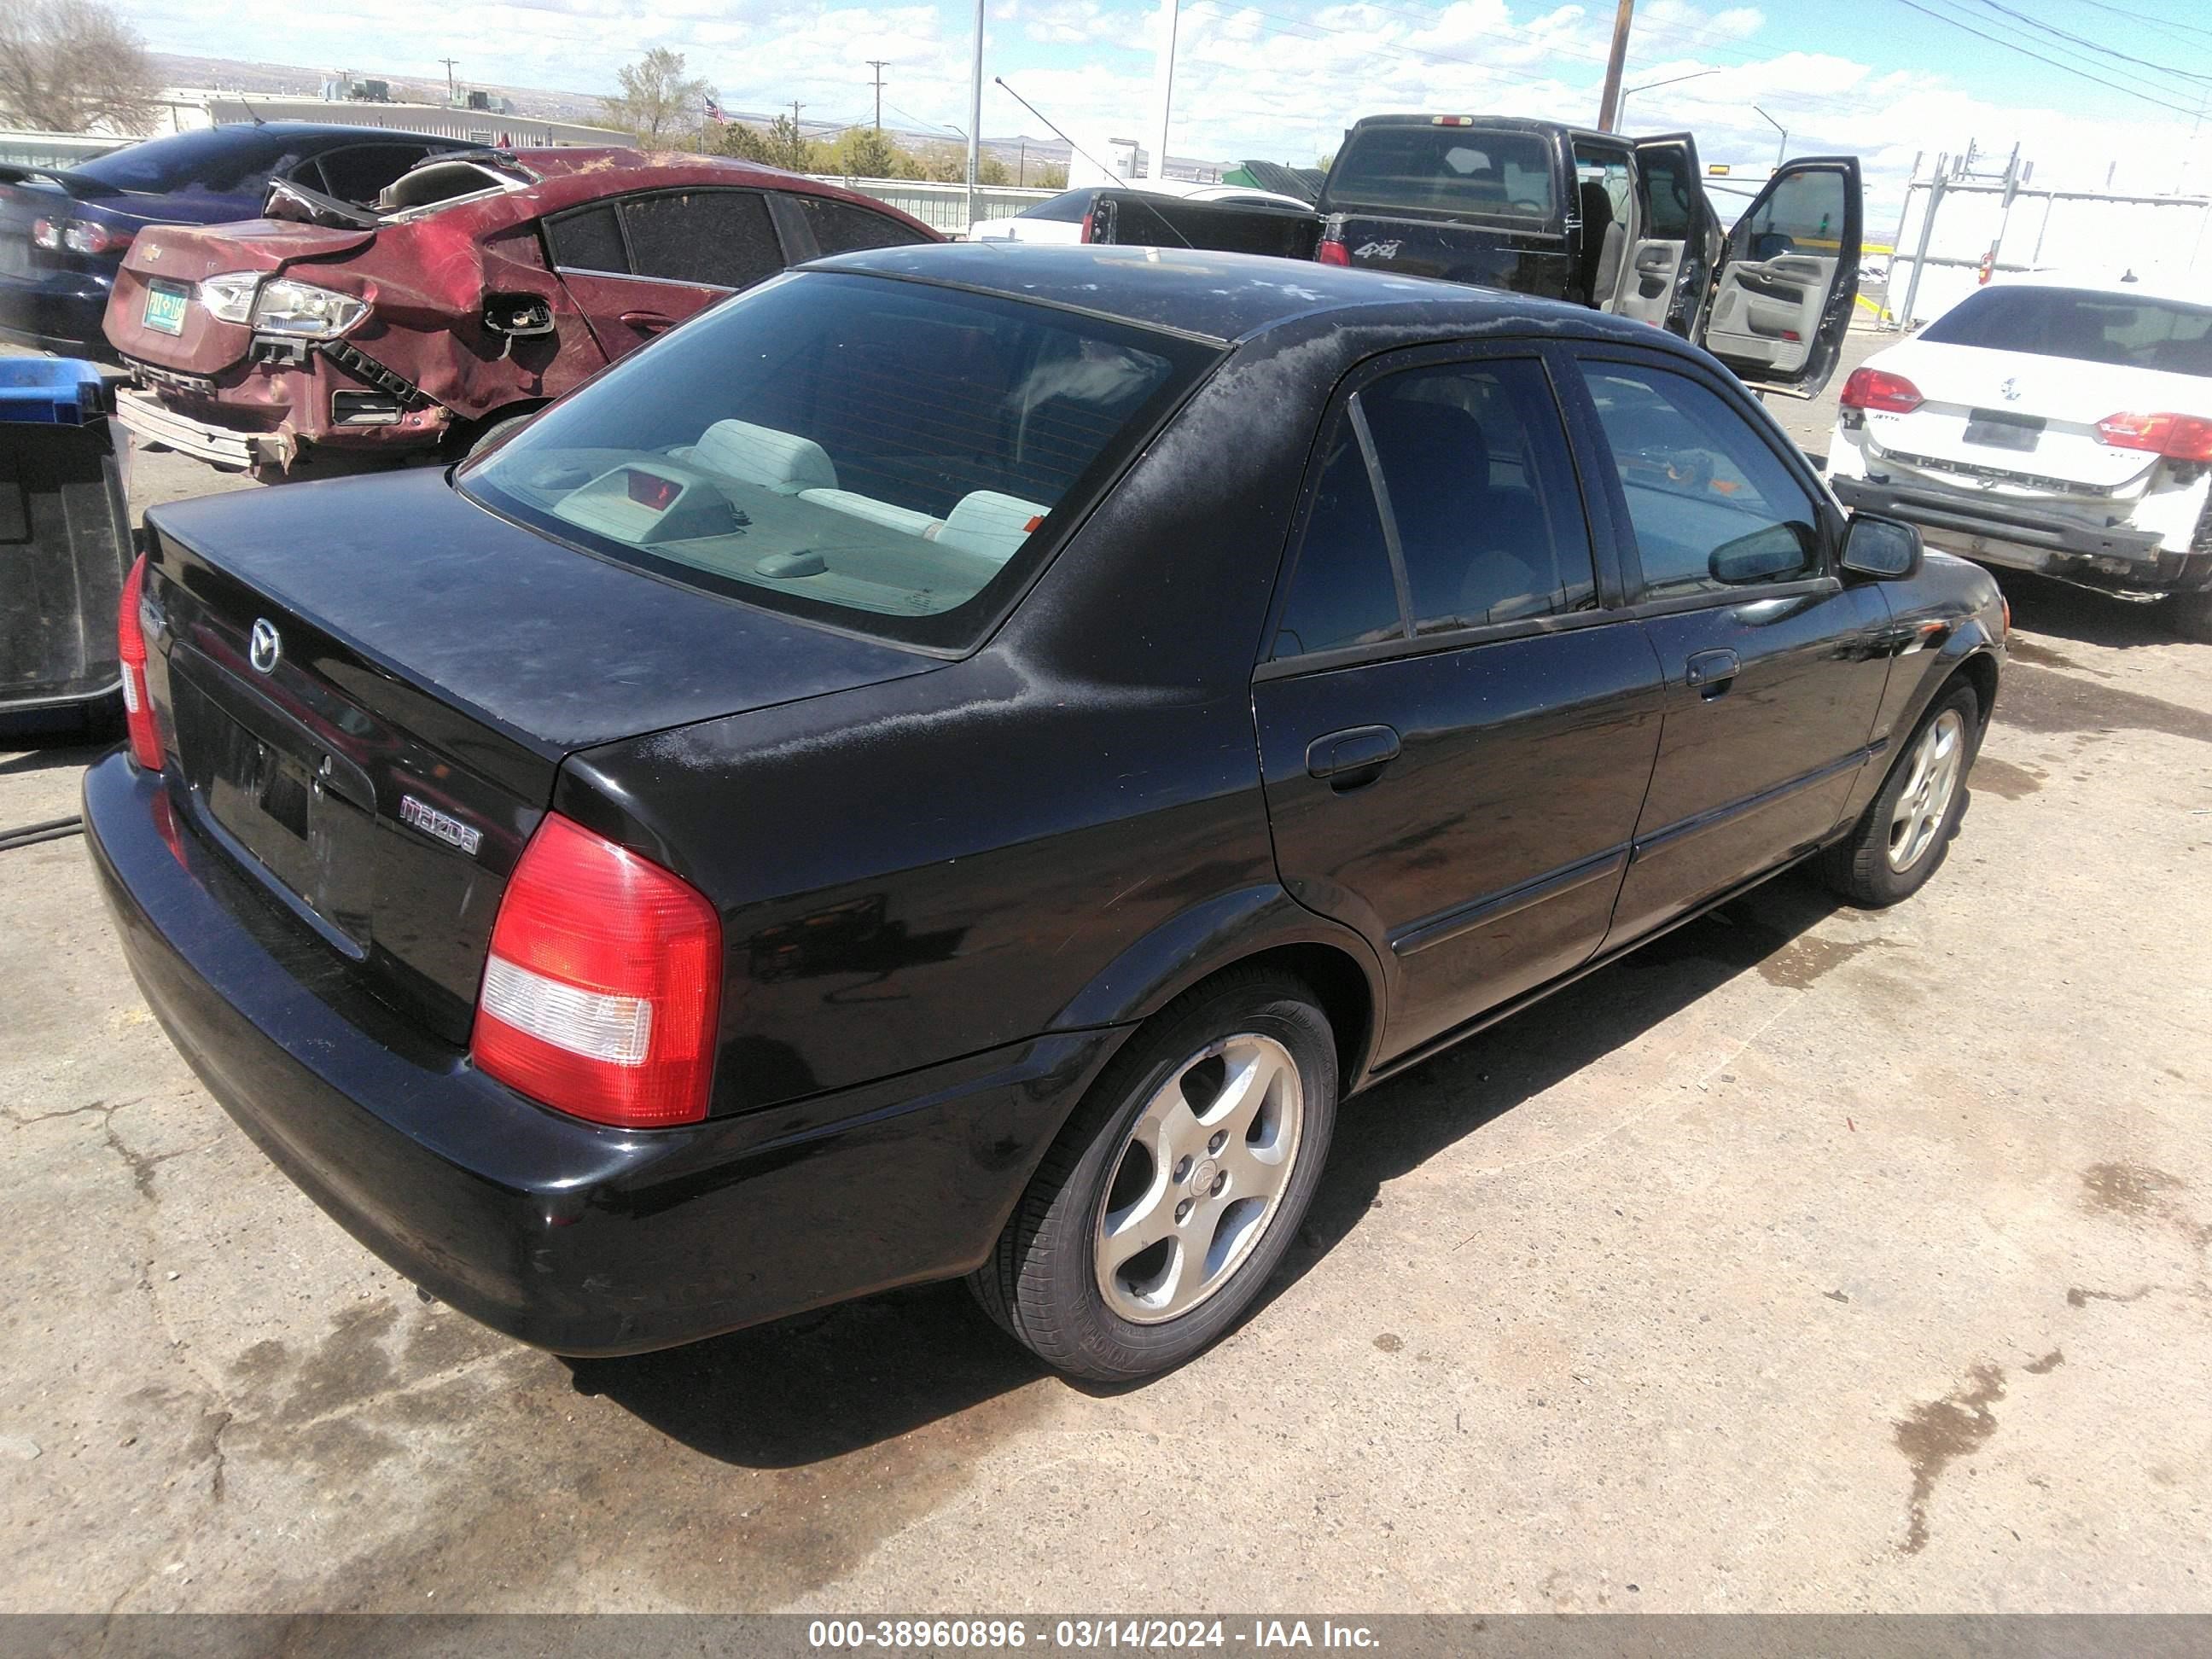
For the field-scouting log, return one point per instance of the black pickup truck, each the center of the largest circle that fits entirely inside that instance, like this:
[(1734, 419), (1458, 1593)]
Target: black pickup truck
[(1535, 207)]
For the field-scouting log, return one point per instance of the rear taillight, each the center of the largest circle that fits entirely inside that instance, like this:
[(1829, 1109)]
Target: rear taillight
[(80, 236), (1089, 219), (604, 985), (131, 647), (45, 233), (1332, 253), (2176, 437), (1877, 388)]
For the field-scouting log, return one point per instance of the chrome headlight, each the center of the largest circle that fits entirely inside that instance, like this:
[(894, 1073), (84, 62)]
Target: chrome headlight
[(229, 297), (317, 313)]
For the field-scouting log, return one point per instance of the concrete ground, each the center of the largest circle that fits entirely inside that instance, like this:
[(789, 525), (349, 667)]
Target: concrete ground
[(1811, 1260)]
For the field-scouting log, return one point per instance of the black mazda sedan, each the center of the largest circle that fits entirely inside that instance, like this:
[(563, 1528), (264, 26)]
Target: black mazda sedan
[(955, 761)]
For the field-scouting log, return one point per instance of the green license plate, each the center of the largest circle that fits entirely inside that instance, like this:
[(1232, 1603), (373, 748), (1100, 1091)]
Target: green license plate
[(165, 307)]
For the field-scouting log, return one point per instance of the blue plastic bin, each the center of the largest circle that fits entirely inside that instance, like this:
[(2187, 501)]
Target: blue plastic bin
[(64, 537)]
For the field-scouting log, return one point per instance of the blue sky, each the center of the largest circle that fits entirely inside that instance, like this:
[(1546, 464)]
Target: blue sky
[(1281, 78)]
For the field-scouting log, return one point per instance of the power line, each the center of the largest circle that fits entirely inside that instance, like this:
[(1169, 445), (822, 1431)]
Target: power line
[(2069, 69), (2164, 25), (2095, 46)]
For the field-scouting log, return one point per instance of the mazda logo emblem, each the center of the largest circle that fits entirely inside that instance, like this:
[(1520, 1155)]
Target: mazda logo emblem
[(264, 647)]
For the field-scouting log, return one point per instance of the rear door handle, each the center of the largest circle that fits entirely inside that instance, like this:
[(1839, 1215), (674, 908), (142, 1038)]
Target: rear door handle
[(1711, 672), (1354, 756), (647, 322)]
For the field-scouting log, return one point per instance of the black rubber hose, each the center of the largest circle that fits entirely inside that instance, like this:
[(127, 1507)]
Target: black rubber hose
[(31, 834)]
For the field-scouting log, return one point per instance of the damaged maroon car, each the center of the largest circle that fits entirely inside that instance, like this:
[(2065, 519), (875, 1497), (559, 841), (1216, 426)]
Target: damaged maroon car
[(481, 286)]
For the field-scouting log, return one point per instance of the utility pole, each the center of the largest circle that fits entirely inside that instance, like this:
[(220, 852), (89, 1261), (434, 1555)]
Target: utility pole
[(877, 64), (1022, 167), (798, 144), (974, 115), (449, 62), (1608, 103), (1164, 83)]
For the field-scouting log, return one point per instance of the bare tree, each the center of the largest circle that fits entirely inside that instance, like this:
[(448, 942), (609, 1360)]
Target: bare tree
[(67, 64), (656, 97)]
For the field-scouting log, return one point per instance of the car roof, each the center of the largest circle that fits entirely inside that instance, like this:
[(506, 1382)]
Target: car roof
[(1221, 297), (243, 132)]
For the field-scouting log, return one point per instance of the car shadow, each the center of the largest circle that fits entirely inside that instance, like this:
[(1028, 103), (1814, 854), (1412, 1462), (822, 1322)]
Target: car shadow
[(27, 750), (2040, 606), (824, 1384)]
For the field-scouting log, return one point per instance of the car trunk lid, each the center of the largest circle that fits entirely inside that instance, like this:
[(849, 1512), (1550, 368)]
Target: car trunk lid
[(2013, 418), (154, 315), (378, 756)]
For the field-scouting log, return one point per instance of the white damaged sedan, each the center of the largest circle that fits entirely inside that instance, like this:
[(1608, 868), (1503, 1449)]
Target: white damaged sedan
[(2052, 424)]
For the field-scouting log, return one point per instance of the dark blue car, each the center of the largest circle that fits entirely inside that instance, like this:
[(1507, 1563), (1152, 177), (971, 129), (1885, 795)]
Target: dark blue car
[(64, 230)]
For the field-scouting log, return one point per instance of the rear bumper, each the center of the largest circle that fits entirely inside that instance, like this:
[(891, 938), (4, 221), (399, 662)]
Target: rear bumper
[(153, 421), (580, 1239), (57, 311), (2021, 535)]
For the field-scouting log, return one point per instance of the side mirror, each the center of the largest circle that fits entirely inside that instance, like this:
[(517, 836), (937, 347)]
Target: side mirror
[(1778, 550), (1887, 549)]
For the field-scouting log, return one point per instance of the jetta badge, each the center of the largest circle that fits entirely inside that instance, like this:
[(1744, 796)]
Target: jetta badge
[(438, 826), (264, 647), (2010, 390)]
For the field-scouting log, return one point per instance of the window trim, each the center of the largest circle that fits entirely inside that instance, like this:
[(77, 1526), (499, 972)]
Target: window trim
[(1637, 598), (1598, 514)]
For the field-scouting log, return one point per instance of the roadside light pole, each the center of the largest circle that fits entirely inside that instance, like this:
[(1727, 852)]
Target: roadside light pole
[(1609, 104), (1620, 110), (1783, 145), (975, 117)]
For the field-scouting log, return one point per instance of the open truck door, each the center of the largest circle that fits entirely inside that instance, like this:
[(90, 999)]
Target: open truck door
[(1670, 269), (1788, 279)]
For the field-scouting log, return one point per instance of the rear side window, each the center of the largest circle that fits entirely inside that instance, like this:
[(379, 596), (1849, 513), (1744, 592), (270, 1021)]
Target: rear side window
[(1668, 202), (588, 240), (718, 238), (1456, 170), (1712, 505), (2084, 324), (359, 172), (1482, 493), (1342, 592), (840, 228)]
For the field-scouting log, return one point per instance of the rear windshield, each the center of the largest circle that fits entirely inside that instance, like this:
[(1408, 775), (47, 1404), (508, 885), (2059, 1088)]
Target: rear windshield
[(219, 160), (1456, 170), (889, 456), (2092, 326)]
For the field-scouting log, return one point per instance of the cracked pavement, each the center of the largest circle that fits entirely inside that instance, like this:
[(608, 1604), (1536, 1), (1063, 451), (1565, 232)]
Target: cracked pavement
[(1810, 1261)]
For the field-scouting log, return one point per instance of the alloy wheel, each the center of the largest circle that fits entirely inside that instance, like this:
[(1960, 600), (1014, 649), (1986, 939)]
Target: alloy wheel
[(1200, 1178), (1931, 779)]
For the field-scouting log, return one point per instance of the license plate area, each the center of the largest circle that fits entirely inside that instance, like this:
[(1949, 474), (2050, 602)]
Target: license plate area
[(295, 815), (1995, 429), (164, 307)]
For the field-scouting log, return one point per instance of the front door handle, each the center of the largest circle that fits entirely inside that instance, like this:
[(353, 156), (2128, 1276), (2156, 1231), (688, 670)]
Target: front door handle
[(1711, 672), (647, 322), (1354, 756)]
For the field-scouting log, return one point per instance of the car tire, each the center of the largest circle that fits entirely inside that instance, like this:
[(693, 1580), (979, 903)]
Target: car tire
[(2189, 616), (1147, 1156), (1901, 838)]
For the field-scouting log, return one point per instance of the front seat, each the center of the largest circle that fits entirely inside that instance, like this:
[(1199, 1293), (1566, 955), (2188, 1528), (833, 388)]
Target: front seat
[(1605, 241)]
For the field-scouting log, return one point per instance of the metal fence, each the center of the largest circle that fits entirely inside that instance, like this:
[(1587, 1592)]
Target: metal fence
[(942, 206), (1969, 215), (53, 149)]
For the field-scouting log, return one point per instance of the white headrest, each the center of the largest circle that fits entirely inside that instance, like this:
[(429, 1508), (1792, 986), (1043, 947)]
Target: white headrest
[(990, 524), (781, 461)]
